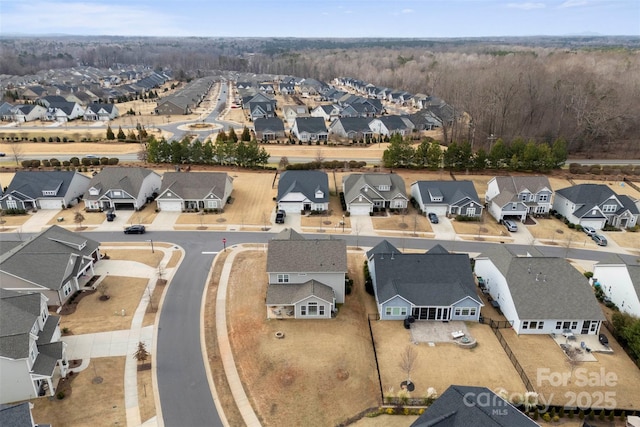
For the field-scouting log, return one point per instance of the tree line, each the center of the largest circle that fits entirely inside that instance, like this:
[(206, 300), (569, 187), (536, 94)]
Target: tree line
[(518, 155)]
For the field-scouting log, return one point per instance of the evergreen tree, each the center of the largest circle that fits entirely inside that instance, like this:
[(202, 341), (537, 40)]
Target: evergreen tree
[(196, 152), (221, 136), (110, 135), (399, 153), (560, 152), (153, 150), (121, 135), (246, 134), (233, 137), (434, 155), (207, 152), (499, 154)]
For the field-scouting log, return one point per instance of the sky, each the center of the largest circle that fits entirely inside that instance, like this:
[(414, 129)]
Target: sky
[(321, 18)]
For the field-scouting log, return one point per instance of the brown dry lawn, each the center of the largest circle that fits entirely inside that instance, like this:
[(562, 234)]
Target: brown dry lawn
[(412, 222), (146, 400), (154, 304), (626, 239), (93, 315), (176, 256), (68, 216), (386, 421), (152, 259), (13, 220), (88, 404), (486, 227), (553, 231), (444, 364), (331, 221), (540, 351), (322, 373)]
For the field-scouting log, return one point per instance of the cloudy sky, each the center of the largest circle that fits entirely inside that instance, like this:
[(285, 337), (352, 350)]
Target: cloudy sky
[(321, 18)]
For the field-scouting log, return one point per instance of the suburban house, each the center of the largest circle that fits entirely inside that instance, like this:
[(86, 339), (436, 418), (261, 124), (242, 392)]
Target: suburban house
[(261, 110), (18, 415), (620, 281), (65, 259), (308, 129), (173, 105), (327, 112), (194, 191), (436, 285), (268, 128), (100, 112), (27, 113), (351, 128), (518, 196), (366, 192), (537, 294), (389, 125), (464, 406), (121, 188), (595, 205), (63, 111), (32, 357), (447, 198), (306, 276), (291, 112), (303, 191), (44, 190)]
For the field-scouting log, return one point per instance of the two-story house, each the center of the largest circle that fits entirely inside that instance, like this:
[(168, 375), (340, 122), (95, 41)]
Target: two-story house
[(121, 188), (620, 281), (518, 196), (32, 357), (306, 276), (595, 205), (366, 192), (447, 198)]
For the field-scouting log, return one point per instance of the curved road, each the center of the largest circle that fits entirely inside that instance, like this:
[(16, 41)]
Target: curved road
[(185, 396)]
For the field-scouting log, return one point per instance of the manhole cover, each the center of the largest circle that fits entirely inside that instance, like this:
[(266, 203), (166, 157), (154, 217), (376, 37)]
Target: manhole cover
[(97, 380)]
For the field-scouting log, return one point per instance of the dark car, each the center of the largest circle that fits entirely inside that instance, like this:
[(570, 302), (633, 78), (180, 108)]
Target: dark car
[(603, 340), (280, 216), (2, 154), (135, 229), (433, 218), (111, 215)]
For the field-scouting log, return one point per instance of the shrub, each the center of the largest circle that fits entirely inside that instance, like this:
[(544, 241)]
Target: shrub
[(555, 418), (60, 395), (35, 163), (571, 414), (581, 414), (602, 415), (588, 274), (104, 161), (113, 161), (592, 415), (571, 225), (46, 163), (595, 169), (465, 218)]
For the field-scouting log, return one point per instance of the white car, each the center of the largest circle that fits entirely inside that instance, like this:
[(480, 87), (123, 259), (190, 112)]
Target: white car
[(590, 231)]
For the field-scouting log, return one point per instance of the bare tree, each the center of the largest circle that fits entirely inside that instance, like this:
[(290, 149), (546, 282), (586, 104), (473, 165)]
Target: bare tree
[(407, 362), (141, 354), (319, 156), (17, 151), (573, 359), (78, 218), (284, 162)]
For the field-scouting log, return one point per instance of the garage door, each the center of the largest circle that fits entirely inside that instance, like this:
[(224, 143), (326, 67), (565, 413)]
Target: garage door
[(438, 210), (169, 206), (290, 207), (359, 209), (595, 223), (124, 206), (50, 204)]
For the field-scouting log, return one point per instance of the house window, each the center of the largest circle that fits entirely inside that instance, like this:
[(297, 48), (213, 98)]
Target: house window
[(465, 311), (472, 311), (66, 290), (12, 204), (471, 211), (514, 206), (558, 325), (321, 310), (384, 187), (574, 325), (525, 325), (303, 310), (313, 309), (533, 325), (396, 311), (540, 325), (283, 278), (212, 204), (543, 197), (609, 208), (565, 325)]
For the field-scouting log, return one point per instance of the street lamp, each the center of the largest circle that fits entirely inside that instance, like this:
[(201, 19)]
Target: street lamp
[(343, 223), (152, 250), (224, 244)]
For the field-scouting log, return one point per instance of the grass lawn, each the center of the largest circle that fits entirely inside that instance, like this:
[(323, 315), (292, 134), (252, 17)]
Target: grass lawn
[(152, 259), (68, 215), (89, 403), (553, 231), (13, 220), (92, 315), (321, 373), (626, 239), (486, 227), (409, 223), (146, 400), (330, 222)]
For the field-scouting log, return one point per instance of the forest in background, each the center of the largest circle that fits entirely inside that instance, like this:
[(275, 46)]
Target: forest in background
[(582, 89)]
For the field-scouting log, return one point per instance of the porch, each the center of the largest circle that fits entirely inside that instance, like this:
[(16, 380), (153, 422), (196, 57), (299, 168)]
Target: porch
[(281, 312)]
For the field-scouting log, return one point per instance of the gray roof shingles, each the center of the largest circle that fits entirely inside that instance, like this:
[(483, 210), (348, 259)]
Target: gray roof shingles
[(291, 294), (196, 185), (307, 256), (31, 183), (127, 179), (305, 182), (355, 184), (452, 191)]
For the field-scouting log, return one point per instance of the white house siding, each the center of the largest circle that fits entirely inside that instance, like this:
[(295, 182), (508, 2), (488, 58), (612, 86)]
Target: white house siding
[(170, 205), (617, 285), (598, 224), (495, 211), (396, 304), (51, 204), (360, 208), (498, 289), (303, 306), (334, 280), (440, 210), (79, 184), (16, 381), (151, 184)]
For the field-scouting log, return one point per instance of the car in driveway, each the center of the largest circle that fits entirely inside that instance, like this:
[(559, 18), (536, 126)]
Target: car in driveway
[(600, 239), (2, 154), (433, 218), (135, 229), (510, 225), (280, 216), (589, 231)]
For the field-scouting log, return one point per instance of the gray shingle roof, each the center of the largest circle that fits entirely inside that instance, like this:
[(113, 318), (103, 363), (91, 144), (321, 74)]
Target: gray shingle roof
[(429, 279), (51, 251), (195, 185), (384, 247), (288, 234), (550, 288), (18, 313), (16, 415), (310, 125), (464, 406), (355, 124), (511, 186), (48, 356), (452, 191), (292, 294), (586, 196), (307, 256), (354, 185), (305, 182), (127, 179), (264, 124), (31, 183)]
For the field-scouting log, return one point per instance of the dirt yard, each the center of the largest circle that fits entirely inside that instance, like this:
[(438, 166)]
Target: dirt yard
[(444, 364), (333, 358), (539, 352), (412, 222), (555, 232), (152, 259), (93, 315), (486, 227), (90, 403)]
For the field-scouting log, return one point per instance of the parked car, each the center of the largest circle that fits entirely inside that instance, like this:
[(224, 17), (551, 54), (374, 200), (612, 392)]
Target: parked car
[(2, 154), (135, 229), (599, 239), (433, 218), (511, 225), (280, 216), (603, 340), (590, 231), (111, 215)]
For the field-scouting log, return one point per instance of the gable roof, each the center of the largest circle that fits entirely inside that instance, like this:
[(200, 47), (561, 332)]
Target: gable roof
[(547, 288), (32, 183), (127, 179), (463, 406), (96, 107), (279, 293), (305, 182), (288, 234), (451, 191), (310, 125), (586, 196), (307, 256), (195, 185), (263, 124), (384, 247), (393, 122), (437, 278), (511, 186), (51, 250), (367, 185), (16, 415), (18, 313), (353, 124)]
